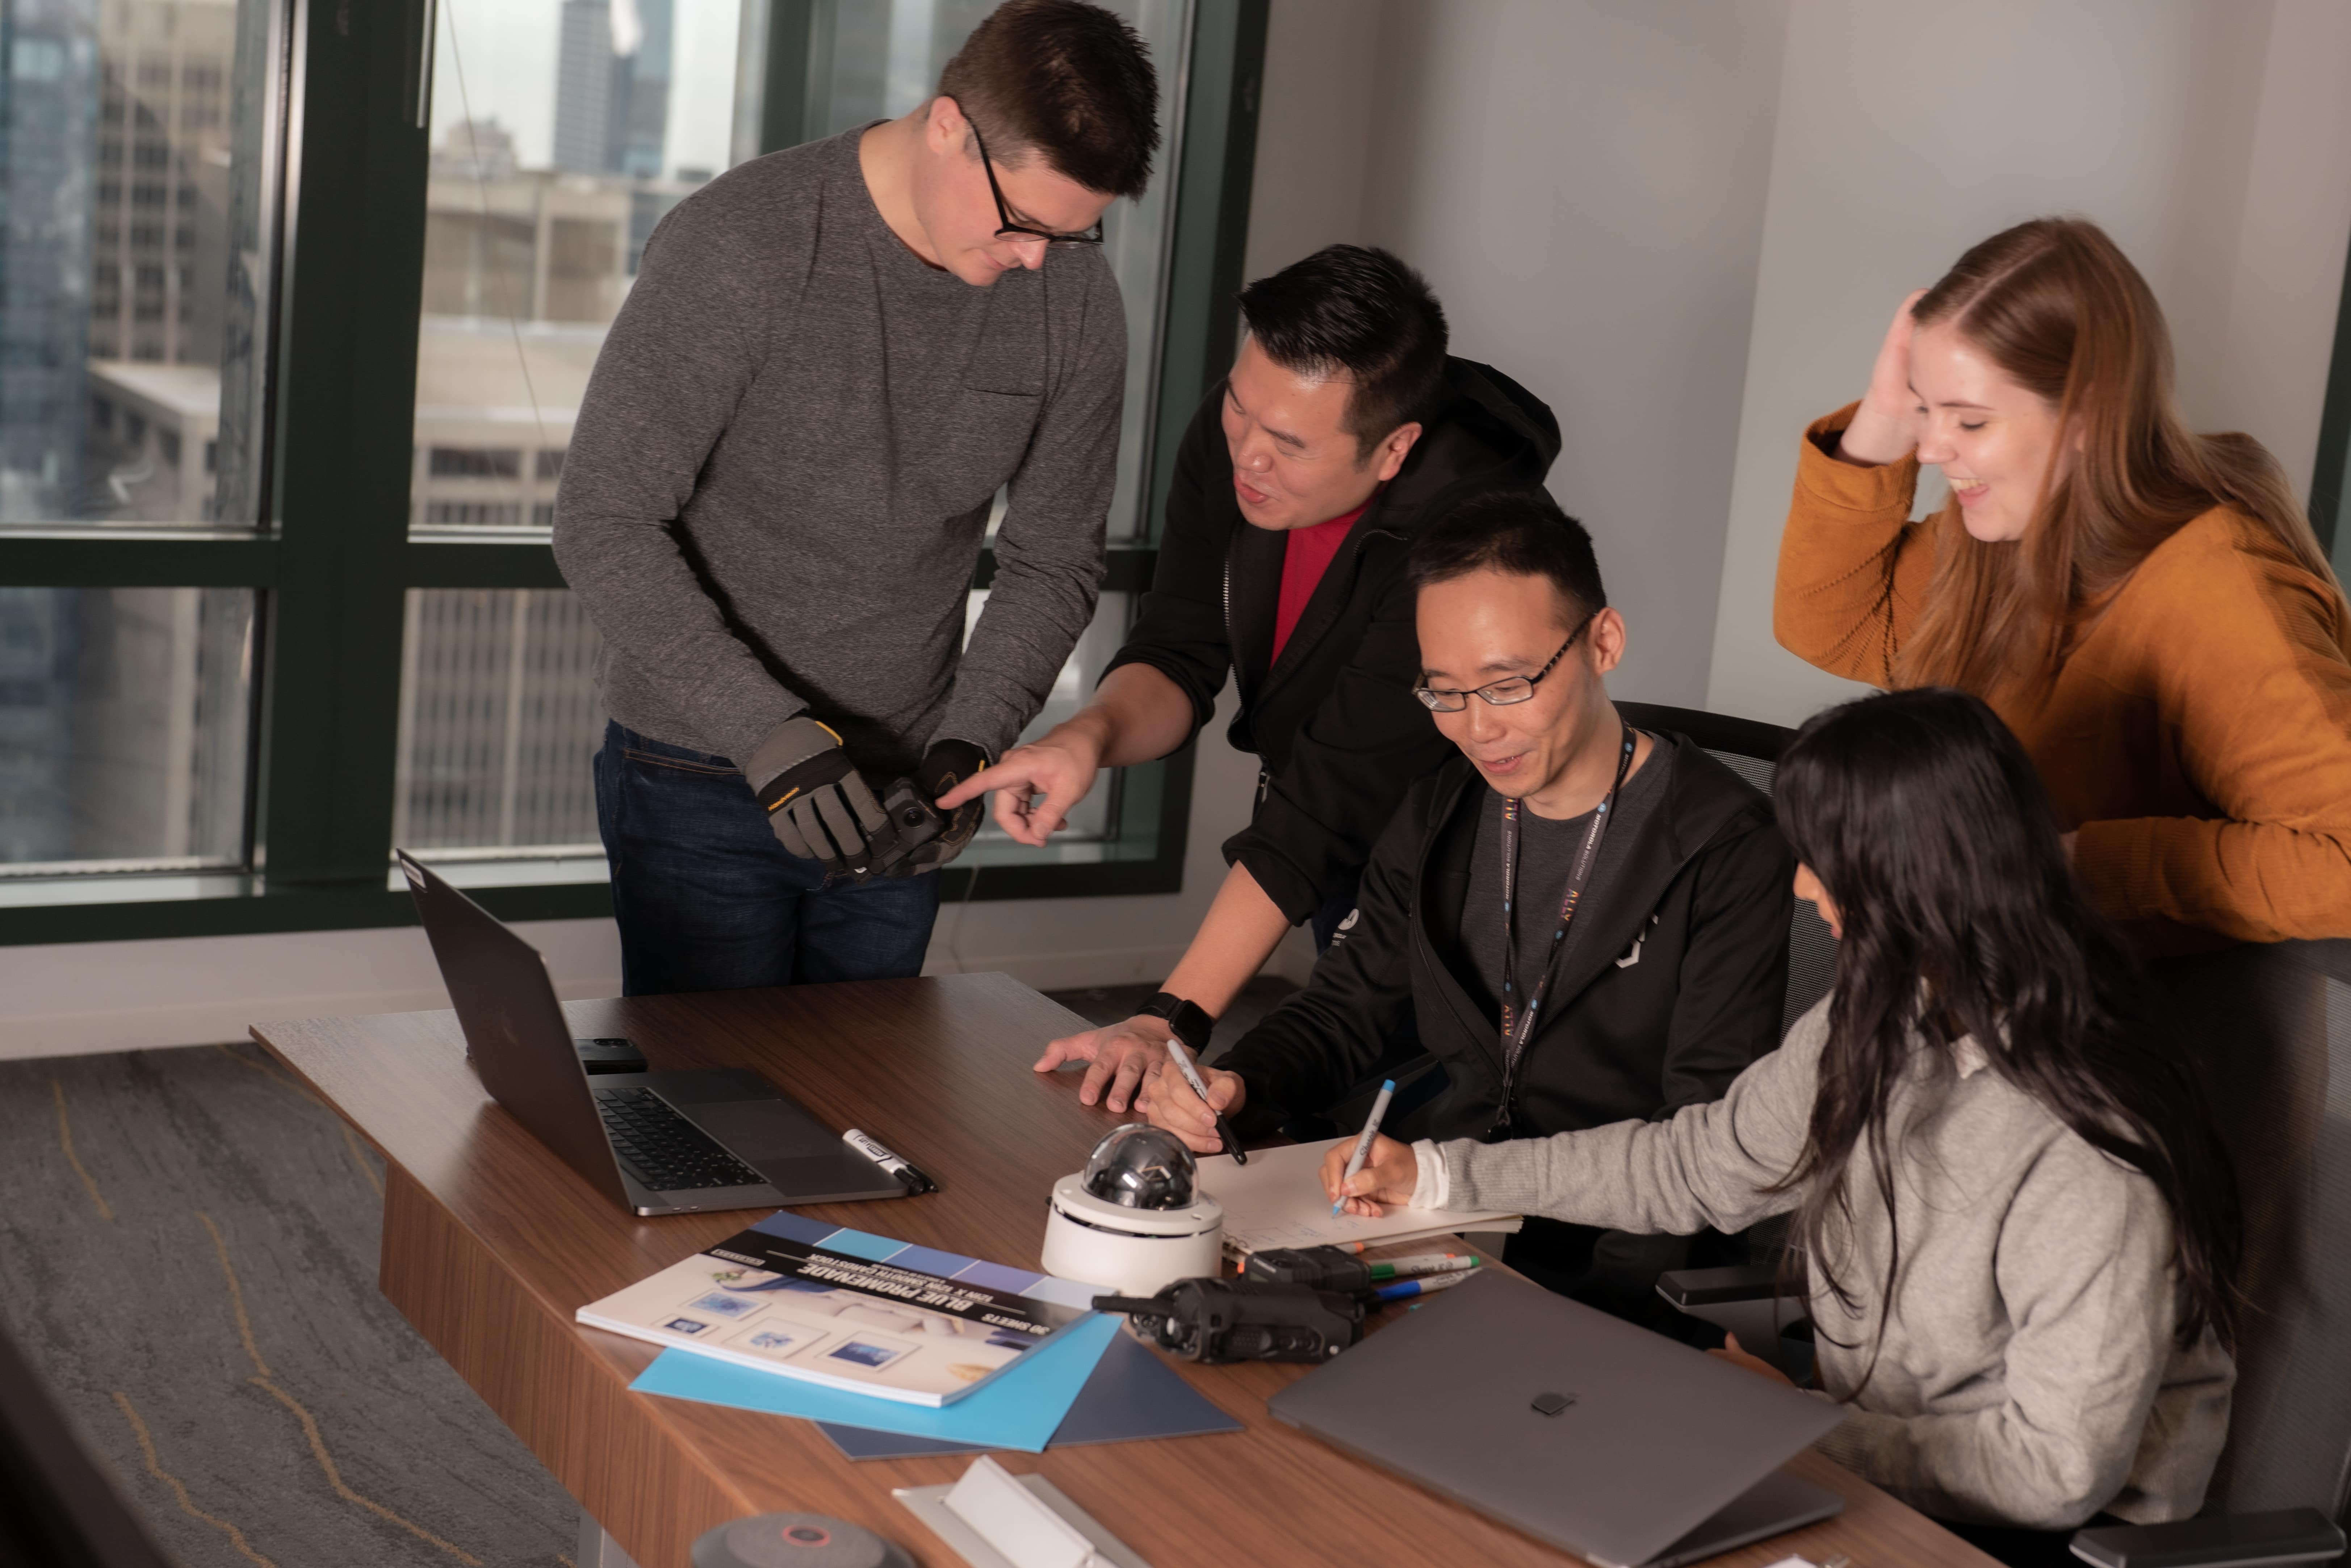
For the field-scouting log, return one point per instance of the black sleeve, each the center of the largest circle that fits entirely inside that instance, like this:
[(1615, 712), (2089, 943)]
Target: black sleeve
[(1318, 1043), (1181, 630), (1735, 967), (1351, 763)]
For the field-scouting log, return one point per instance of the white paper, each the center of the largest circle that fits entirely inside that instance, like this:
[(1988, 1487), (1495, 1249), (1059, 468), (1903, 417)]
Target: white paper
[(929, 1504), (1015, 1521), (1276, 1201)]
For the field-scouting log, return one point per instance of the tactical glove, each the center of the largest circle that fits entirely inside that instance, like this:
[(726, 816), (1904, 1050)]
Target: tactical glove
[(929, 838), (817, 806)]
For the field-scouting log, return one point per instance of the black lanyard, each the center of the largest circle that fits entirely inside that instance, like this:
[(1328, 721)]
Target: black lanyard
[(1514, 1040)]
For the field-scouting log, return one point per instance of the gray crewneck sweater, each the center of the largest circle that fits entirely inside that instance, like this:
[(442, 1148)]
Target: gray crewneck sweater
[(782, 469), (2028, 1374)]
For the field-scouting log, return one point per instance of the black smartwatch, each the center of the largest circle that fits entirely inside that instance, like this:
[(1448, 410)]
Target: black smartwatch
[(1190, 1020)]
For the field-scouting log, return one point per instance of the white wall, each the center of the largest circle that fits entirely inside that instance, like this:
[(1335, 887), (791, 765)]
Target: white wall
[(2212, 138), (1531, 156), (1684, 224), (1583, 182), (1314, 130), (77, 998)]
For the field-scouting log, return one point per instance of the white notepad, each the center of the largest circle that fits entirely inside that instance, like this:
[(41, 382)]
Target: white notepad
[(1276, 1201)]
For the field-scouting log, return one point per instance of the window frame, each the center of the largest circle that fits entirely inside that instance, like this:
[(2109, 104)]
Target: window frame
[(332, 559)]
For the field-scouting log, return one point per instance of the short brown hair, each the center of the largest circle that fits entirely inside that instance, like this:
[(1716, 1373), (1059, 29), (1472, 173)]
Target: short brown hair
[(1064, 79)]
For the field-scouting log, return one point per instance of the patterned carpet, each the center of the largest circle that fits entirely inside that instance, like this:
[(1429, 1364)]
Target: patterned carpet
[(189, 1258)]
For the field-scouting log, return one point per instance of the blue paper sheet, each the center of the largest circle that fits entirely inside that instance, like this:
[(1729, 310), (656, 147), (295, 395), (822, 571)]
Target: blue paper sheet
[(1018, 1408), (1131, 1395)]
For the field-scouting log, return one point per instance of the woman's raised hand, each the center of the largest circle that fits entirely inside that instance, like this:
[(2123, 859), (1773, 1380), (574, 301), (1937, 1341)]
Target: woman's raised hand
[(1884, 429)]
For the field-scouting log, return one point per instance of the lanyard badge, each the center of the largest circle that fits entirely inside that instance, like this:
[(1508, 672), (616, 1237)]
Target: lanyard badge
[(1519, 1023)]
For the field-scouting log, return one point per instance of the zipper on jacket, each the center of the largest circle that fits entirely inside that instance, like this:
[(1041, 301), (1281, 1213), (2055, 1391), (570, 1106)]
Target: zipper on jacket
[(1229, 607)]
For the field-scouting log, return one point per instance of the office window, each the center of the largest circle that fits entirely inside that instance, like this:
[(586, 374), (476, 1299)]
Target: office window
[(473, 463), (563, 130), (123, 725), (548, 175), (498, 722), (397, 648), (1095, 820), (197, 199)]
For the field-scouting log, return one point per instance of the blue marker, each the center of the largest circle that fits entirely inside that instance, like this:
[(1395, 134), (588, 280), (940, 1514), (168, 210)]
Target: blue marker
[(1364, 1143), (1403, 1288)]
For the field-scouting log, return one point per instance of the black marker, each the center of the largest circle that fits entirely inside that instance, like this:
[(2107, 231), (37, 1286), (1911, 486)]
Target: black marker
[(916, 1183)]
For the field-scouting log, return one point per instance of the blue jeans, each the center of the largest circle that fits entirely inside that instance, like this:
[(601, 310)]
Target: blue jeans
[(708, 901)]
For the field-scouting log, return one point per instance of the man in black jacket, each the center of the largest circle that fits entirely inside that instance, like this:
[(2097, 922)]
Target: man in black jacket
[(1582, 922), (1342, 432)]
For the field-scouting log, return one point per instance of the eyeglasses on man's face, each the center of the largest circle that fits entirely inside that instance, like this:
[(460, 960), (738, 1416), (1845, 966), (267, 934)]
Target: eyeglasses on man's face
[(1006, 227), (1501, 692)]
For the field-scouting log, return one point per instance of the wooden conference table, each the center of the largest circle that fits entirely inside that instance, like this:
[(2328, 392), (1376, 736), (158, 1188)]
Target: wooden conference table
[(490, 1243)]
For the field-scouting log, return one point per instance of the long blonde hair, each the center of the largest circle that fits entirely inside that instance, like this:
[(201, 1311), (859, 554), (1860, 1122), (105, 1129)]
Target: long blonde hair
[(2057, 305)]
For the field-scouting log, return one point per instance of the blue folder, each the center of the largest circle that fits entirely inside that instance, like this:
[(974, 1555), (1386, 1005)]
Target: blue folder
[(1131, 1395), (1018, 1408)]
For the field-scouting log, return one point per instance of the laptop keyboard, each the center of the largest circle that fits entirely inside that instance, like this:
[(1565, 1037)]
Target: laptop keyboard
[(661, 1149)]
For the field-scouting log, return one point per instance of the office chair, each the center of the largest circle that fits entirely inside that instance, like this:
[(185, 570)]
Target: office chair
[(57, 1508), (1751, 748), (2271, 1028)]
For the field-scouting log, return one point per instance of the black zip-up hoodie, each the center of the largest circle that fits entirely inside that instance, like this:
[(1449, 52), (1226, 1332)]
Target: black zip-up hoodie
[(1672, 984), (1333, 719)]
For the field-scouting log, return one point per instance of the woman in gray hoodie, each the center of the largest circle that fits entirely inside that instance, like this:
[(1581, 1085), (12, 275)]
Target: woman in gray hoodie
[(2015, 1225)]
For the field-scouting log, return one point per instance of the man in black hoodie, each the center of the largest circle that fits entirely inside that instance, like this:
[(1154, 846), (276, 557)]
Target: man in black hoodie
[(1584, 924), (1343, 430)]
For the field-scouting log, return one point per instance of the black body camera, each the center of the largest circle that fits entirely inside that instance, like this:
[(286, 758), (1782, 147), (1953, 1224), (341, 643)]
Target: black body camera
[(1214, 1321)]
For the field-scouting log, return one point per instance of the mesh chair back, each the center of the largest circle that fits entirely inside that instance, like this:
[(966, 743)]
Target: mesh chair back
[(2271, 1030), (1751, 750)]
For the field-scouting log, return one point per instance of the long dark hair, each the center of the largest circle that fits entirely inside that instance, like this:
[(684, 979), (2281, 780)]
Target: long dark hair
[(1925, 822)]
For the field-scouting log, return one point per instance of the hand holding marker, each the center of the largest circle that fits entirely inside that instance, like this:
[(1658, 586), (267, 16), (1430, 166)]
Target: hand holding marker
[(1192, 1076), (1364, 1143)]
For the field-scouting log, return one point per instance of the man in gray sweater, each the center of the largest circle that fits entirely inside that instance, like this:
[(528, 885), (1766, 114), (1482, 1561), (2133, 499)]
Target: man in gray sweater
[(830, 363)]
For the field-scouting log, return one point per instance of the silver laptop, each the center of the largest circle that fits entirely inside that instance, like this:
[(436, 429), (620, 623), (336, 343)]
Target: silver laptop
[(654, 1143), (1617, 1444)]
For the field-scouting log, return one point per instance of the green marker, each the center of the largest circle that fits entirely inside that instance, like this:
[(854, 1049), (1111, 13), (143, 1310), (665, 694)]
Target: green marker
[(1416, 1267)]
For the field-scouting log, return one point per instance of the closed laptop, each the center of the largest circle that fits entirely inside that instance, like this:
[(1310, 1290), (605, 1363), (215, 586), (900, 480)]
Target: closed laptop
[(1617, 1444)]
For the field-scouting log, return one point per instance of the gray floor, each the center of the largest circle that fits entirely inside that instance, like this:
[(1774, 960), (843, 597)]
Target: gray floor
[(188, 1254)]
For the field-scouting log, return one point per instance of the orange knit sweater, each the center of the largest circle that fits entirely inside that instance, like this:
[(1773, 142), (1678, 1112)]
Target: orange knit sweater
[(2199, 736)]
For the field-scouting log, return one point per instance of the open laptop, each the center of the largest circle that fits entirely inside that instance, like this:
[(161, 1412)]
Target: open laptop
[(655, 1142), (1617, 1444)]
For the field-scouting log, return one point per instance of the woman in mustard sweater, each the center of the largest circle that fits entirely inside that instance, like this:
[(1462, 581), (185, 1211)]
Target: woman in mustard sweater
[(2147, 607)]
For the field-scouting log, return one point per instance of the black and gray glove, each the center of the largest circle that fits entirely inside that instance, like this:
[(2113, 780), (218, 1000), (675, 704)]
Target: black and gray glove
[(817, 806), (929, 838)]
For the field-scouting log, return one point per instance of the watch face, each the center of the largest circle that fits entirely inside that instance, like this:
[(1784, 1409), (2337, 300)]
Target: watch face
[(1190, 1020), (1192, 1025)]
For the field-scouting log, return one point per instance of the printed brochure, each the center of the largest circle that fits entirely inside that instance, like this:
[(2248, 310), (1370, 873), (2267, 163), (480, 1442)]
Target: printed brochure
[(866, 1313)]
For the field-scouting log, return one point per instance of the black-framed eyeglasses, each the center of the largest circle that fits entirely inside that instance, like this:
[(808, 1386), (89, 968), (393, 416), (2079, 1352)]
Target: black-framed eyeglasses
[(1501, 692), (1006, 228)]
